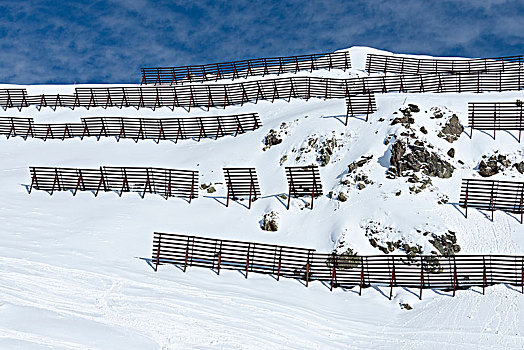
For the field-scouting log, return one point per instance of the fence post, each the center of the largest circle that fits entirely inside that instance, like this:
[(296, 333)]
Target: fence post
[(393, 278), (124, 182), (158, 251), (187, 255), (472, 120), (483, 275), (522, 276), (279, 264), (520, 123), (466, 201), (219, 258), (192, 187), (55, 181), (491, 204), (521, 204), (455, 280), (313, 190), (494, 122), (333, 272), (247, 258), (33, 179), (307, 270), (251, 186), (361, 277), (421, 276)]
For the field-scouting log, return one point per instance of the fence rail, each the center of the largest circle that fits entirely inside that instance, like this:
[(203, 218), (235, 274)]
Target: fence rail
[(135, 128), (493, 195), (496, 116), (222, 95), (427, 271), (165, 182), (411, 65), (244, 68)]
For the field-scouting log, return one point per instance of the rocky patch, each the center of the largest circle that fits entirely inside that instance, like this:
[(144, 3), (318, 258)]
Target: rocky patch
[(498, 163), (321, 148), (451, 130), (446, 244), (275, 137), (269, 222), (410, 157), (209, 187), (356, 174), (407, 116)]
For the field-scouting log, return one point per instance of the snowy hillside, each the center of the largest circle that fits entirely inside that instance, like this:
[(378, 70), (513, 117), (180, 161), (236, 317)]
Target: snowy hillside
[(74, 271)]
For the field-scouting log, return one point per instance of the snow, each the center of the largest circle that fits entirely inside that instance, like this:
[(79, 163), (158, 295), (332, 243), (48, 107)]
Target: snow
[(74, 273)]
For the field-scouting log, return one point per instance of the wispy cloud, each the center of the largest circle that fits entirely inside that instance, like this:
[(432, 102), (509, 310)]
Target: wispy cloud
[(107, 41)]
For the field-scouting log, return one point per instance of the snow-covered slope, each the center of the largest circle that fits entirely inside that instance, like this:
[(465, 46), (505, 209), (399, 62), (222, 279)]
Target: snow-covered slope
[(73, 271)]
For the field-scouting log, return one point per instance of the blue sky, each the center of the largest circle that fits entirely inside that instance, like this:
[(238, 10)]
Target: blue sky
[(108, 41)]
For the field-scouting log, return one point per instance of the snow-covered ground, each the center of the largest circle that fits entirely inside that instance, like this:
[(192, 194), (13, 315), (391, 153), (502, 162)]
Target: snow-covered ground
[(73, 270)]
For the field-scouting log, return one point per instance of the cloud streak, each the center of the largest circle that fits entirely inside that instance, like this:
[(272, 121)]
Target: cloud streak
[(108, 41)]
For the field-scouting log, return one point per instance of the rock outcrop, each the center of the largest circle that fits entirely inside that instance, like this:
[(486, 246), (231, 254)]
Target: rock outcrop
[(408, 158), (451, 130)]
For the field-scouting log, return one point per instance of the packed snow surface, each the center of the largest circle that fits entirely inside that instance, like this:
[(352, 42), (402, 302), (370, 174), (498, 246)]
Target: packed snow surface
[(74, 272)]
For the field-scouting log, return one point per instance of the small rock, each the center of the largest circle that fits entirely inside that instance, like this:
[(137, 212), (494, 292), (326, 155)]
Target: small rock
[(405, 306), (519, 167), (269, 222), (452, 129), (423, 130), (413, 108), (342, 197), (451, 152)]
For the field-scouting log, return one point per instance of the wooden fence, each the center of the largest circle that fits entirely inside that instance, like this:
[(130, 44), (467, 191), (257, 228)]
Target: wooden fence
[(428, 271), (411, 65), (360, 104), (165, 182), (244, 68), (495, 116), (242, 182), (303, 181), (135, 128), (493, 195), (221, 95)]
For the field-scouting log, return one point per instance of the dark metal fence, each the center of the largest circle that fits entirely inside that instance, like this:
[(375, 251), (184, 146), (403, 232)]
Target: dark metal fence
[(221, 95), (411, 65), (244, 68), (360, 104), (493, 195), (165, 182), (242, 182), (135, 128), (428, 271), (496, 116), (303, 181)]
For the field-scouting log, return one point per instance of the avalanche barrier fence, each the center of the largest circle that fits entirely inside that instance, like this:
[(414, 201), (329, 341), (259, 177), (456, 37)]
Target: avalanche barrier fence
[(164, 182), (412, 65), (222, 95), (448, 273), (134, 128), (493, 195), (495, 116), (245, 68)]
